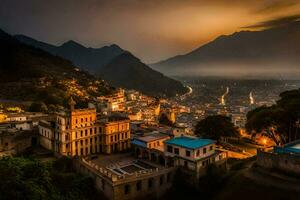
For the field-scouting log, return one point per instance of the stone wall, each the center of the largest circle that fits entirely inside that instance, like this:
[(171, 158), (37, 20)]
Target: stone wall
[(286, 162)]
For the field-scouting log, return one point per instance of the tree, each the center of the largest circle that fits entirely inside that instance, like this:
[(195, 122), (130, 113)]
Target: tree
[(38, 107), (163, 119), (24, 178), (215, 127), (279, 122)]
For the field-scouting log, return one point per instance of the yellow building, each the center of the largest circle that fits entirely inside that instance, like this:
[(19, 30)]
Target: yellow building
[(77, 133), (115, 135), (3, 117)]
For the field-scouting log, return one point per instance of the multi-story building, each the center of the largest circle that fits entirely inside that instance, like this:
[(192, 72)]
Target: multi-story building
[(114, 135), (78, 133), (150, 146), (193, 153), (112, 103)]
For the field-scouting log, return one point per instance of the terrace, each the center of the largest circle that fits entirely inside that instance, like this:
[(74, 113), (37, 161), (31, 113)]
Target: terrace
[(120, 167)]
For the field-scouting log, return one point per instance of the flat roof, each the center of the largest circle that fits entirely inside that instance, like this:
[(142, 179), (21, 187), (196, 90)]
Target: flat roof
[(152, 137), (293, 147), (189, 142)]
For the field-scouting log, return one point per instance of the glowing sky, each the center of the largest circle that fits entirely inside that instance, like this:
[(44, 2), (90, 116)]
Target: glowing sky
[(152, 30)]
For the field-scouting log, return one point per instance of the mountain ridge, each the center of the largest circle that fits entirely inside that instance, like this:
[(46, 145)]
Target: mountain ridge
[(275, 47), (142, 77), (31, 74), (97, 61)]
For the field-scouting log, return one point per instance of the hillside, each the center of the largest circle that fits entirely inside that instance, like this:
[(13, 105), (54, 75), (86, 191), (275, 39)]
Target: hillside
[(31, 74), (90, 59), (129, 72), (111, 64), (272, 51)]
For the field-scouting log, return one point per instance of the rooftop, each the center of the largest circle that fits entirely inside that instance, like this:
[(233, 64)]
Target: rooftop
[(189, 142), (293, 147), (152, 137)]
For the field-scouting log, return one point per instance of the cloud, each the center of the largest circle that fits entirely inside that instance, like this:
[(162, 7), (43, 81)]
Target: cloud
[(275, 6), (276, 22)]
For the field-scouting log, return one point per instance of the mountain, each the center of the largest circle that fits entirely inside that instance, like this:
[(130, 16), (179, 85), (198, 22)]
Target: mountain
[(113, 64), (31, 74), (90, 59), (128, 71), (267, 52)]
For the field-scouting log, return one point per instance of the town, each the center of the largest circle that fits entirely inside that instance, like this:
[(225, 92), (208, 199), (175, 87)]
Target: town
[(150, 100), (133, 145)]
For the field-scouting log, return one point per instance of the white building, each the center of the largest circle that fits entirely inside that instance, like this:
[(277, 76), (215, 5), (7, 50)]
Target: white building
[(194, 153)]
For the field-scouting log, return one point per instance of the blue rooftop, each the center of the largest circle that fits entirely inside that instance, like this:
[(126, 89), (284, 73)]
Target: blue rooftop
[(189, 142), (138, 143), (293, 147)]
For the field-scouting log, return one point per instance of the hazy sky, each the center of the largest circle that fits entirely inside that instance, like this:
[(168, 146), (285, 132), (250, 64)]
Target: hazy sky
[(150, 29)]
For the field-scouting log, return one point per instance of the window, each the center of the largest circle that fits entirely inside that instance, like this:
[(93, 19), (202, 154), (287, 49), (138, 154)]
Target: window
[(204, 150), (185, 163), (115, 137), (81, 132), (86, 141), (111, 138), (198, 152), (150, 183), (187, 153), (138, 185), (86, 132), (91, 131), (169, 149), (95, 131), (211, 148), (81, 142), (126, 189), (169, 177), (161, 180), (176, 151)]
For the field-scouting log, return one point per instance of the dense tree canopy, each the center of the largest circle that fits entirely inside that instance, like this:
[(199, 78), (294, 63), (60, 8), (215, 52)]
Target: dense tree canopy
[(163, 119), (279, 122), (38, 107), (215, 127), (23, 178)]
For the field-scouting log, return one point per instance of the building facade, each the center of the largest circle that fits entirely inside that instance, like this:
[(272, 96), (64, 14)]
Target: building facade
[(78, 133), (194, 154)]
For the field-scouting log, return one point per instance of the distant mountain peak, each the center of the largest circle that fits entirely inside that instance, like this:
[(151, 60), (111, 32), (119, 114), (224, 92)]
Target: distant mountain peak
[(4, 35), (268, 52), (72, 43)]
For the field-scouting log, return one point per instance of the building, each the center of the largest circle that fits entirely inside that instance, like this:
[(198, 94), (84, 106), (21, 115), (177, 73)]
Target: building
[(285, 158), (123, 177), (114, 135), (150, 146), (14, 141), (46, 134), (112, 103), (78, 133), (193, 153)]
